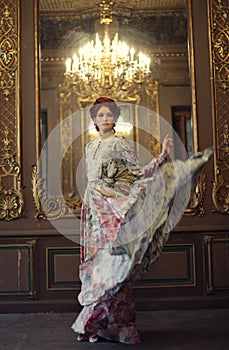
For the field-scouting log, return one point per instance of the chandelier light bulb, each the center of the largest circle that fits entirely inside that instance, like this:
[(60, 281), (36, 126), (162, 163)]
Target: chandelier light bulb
[(114, 57), (105, 64)]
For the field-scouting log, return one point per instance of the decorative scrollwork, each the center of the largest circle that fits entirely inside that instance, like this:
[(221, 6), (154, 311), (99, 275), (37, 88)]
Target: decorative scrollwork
[(39, 214), (11, 199), (195, 205), (8, 53), (220, 194), (220, 54), (52, 208), (220, 40), (122, 90)]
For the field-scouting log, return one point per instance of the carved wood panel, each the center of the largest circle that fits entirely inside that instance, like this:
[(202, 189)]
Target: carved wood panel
[(11, 198)]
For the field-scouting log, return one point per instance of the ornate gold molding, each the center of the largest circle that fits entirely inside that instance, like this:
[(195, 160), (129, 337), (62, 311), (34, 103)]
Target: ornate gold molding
[(8, 50), (11, 198), (52, 208), (39, 214), (152, 97), (218, 38), (195, 205)]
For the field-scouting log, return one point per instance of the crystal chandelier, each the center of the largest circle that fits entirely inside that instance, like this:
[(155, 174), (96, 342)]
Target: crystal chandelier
[(107, 64)]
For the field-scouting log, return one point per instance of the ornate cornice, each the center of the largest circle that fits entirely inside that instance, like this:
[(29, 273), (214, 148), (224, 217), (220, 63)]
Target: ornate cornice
[(84, 9), (145, 29)]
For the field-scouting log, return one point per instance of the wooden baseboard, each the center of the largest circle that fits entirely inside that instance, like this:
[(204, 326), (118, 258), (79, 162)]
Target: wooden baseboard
[(144, 304)]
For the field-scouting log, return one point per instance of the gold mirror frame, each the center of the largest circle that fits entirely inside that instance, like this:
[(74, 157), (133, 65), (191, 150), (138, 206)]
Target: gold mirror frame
[(195, 206), (218, 47)]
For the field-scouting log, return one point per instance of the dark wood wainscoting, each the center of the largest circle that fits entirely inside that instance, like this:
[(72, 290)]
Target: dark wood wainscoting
[(41, 274)]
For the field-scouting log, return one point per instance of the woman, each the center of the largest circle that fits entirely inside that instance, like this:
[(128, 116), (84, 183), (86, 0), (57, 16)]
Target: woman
[(126, 218)]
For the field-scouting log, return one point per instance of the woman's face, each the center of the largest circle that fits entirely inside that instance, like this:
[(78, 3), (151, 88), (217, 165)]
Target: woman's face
[(104, 119)]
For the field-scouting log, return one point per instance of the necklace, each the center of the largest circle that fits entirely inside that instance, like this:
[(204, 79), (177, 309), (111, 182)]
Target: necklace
[(97, 148)]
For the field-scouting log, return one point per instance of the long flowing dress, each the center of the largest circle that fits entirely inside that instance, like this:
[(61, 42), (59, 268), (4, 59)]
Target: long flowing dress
[(127, 214)]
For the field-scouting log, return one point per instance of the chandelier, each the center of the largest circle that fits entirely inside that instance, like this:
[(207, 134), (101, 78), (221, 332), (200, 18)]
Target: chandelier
[(107, 64)]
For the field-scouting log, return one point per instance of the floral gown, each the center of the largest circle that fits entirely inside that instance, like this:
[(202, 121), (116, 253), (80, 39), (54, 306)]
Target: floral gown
[(127, 215)]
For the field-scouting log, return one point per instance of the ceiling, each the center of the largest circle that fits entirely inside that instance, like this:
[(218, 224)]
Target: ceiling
[(71, 23), (82, 6)]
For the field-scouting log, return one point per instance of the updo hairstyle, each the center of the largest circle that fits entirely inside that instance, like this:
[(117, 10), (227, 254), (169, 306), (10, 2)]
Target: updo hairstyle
[(104, 101)]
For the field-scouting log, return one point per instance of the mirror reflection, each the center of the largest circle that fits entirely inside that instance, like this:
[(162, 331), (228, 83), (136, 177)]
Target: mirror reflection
[(147, 65)]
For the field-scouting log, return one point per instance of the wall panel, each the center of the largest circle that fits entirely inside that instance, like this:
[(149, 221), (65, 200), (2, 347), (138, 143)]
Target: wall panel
[(176, 267), (217, 260), (62, 272), (17, 268)]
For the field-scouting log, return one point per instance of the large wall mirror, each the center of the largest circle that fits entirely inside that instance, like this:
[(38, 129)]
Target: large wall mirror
[(162, 30)]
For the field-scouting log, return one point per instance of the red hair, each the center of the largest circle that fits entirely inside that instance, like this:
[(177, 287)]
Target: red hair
[(105, 101)]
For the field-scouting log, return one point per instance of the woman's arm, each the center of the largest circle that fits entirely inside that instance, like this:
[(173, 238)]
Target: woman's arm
[(128, 155), (162, 158), (166, 146)]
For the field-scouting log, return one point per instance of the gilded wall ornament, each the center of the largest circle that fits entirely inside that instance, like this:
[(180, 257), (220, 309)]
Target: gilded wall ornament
[(8, 52), (195, 205), (11, 199), (219, 37), (52, 208)]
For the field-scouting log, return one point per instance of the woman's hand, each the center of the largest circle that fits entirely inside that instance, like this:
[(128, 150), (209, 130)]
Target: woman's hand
[(166, 146)]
